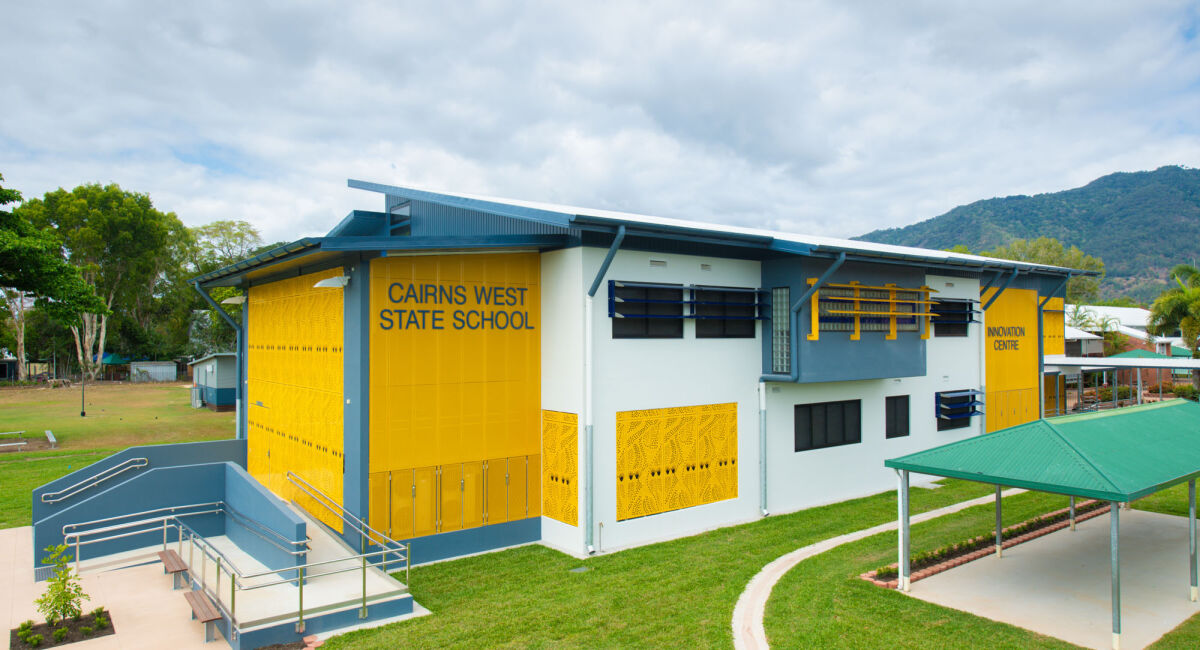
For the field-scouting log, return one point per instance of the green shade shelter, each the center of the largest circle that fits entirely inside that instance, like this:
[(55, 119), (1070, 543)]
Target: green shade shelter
[(1138, 353), (1114, 456)]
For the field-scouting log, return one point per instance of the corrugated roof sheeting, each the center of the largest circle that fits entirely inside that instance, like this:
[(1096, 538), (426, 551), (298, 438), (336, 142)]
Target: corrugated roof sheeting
[(1114, 455), (435, 220)]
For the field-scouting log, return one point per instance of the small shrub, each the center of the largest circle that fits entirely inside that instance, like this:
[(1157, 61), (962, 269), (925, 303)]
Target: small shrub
[(34, 640), (25, 627), (87, 630), (60, 634), (101, 622), (64, 595), (99, 611), (1123, 392), (1186, 391)]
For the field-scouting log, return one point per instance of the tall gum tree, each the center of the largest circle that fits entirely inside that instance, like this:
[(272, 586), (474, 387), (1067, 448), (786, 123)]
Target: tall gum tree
[(119, 242)]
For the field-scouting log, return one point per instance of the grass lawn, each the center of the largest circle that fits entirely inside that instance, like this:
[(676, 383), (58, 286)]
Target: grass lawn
[(676, 593), (118, 416)]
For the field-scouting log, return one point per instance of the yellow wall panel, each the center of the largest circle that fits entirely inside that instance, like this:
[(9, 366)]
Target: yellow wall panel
[(674, 458), (450, 517), (455, 374), (534, 473), (1053, 331), (402, 501), (496, 487), (518, 494), (560, 466), (1010, 330), (425, 503), (294, 388)]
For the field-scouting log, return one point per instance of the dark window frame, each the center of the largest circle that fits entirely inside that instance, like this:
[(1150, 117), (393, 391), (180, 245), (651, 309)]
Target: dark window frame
[(897, 420), (823, 425), (656, 313), (725, 312), (954, 318), (960, 407)]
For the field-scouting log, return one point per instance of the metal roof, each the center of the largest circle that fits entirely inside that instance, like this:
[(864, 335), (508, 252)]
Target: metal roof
[(567, 215), (210, 356), (1116, 455), (1138, 353), (1073, 334), (1158, 361)]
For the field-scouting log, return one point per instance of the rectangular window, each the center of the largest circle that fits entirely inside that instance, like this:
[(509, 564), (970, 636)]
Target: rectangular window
[(828, 424), (781, 330), (896, 416), (646, 312), (955, 408), (951, 317), (725, 314)]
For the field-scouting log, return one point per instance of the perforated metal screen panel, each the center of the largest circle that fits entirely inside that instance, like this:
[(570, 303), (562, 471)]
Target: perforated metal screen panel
[(673, 458), (560, 446)]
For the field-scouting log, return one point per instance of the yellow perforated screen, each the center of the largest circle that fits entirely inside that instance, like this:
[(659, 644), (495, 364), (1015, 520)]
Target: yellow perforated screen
[(560, 448), (674, 458), (294, 388)]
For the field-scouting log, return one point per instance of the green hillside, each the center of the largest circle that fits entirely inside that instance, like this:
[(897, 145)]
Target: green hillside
[(1141, 224)]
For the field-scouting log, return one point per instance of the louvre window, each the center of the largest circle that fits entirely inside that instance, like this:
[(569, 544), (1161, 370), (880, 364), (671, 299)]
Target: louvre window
[(896, 416), (951, 317), (646, 311), (955, 408), (828, 424), (725, 314)]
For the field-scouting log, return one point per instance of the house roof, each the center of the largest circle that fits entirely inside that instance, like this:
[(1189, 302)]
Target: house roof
[(1138, 354), (1135, 317), (1072, 334), (360, 231), (1116, 455), (214, 354)]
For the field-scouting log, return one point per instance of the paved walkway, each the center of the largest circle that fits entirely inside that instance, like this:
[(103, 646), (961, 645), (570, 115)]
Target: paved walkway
[(146, 613), (1060, 584), (748, 632)]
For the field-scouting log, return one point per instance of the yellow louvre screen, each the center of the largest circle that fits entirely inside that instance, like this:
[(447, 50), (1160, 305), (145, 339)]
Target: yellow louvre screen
[(674, 458), (294, 388), (560, 447), (1053, 331)]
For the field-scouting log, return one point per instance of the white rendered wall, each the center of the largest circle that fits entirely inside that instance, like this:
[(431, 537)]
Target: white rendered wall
[(562, 366), (633, 374), (803, 479)]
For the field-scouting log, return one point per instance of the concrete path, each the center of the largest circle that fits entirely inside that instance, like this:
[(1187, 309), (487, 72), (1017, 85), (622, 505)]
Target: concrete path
[(146, 612), (1060, 584), (748, 631)]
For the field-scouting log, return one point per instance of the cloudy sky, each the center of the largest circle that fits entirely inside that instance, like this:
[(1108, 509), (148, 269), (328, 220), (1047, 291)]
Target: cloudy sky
[(830, 118)]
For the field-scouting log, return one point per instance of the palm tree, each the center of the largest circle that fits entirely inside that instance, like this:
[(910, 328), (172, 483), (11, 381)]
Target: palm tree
[(1178, 308)]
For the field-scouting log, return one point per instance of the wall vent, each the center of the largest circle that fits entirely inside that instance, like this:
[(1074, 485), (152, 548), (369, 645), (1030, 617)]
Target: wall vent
[(658, 264), (706, 267)]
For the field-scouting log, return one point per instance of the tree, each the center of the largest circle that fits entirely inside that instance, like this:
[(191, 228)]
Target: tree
[(1046, 250), (1178, 309), (33, 271), (122, 247), (218, 244)]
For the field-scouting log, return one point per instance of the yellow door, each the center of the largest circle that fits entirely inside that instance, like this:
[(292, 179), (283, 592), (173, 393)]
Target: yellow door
[(402, 504), (452, 498), (379, 508), (424, 501), (496, 502), (517, 494), (472, 503)]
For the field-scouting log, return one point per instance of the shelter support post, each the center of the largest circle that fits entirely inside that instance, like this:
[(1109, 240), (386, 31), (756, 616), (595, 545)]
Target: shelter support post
[(1072, 513), (1192, 534), (999, 530), (1160, 384), (902, 500), (1139, 385), (1115, 519), (1116, 389)]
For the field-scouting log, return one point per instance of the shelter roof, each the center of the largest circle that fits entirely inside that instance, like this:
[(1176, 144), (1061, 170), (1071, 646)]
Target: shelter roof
[(1138, 353), (1127, 316), (1073, 334), (1116, 455)]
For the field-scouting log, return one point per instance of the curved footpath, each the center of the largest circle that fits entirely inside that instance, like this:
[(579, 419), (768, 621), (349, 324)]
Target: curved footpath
[(748, 630)]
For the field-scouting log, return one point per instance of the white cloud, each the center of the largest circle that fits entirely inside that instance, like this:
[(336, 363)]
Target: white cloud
[(829, 118)]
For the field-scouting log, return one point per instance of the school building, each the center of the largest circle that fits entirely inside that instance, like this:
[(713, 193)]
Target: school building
[(461, 374)]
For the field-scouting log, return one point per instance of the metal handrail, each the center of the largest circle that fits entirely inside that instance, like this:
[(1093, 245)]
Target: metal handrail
[(69, 528), (324, 500), (94, 480)]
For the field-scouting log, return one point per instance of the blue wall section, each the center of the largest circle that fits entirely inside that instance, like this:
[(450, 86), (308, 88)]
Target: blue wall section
[(475, 540), (252, 500), (157, 488), (356, 383), (286, 632), (834, 357), (159, 456), (219, 396)]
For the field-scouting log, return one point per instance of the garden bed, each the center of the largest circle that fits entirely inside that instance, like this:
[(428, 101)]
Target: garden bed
[(81, 629), (934, 562)]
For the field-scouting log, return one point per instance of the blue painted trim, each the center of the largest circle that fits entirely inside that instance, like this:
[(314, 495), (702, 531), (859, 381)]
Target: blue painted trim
[(612, 252), (550, 217), (243, 372), (1003, 287), (441, 546), (219, 396), (275, 255), (361, 223), (356, 422), (423, 243)]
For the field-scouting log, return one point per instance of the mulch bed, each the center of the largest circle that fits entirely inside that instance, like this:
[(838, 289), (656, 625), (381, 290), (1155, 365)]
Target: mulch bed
[(47, 632), (969, 556)]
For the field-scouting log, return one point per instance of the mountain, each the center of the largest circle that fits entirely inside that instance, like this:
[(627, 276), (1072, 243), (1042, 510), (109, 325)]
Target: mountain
[(1140, 223)]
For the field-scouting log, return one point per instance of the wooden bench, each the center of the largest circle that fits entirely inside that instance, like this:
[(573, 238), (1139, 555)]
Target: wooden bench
[(204, 611), (173, 564)]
